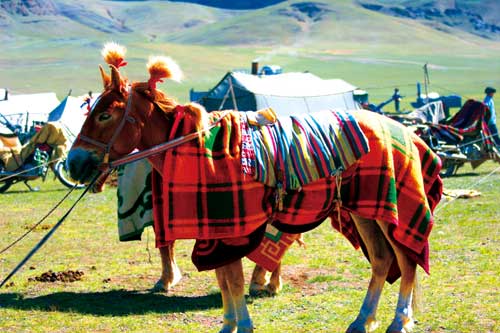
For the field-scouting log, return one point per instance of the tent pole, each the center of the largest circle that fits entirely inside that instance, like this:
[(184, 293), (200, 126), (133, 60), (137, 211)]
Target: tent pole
[(232, 94), (224, 100)]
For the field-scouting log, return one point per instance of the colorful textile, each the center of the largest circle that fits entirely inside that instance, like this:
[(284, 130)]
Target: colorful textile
[(300, 149), (399, 185), (272, 248), (204, 194), (396, 182), (471, 121), (135, 200)]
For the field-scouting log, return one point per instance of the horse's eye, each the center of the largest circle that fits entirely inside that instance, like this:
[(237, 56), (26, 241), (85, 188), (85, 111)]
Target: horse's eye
[(104, 116)]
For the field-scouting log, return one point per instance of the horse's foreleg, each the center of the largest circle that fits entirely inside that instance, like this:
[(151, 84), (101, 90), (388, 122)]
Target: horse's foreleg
[(170, 272), (232, 285), (403, 321), (381, 259)]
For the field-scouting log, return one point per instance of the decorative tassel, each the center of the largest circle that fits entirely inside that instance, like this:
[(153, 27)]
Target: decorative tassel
[(114, 54)]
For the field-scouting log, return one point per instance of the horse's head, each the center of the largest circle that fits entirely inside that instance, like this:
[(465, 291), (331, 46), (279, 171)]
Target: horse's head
[(124, 117)]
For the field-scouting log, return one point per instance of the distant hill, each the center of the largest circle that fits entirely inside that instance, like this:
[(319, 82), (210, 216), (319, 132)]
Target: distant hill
[(481, 18), (246, 22), (232, 4)]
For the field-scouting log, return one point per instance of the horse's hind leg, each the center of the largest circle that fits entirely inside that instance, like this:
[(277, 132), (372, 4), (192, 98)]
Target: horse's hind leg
[(170, 272), (232, 284), (258, 281), (403, 320), (260, 285), (381, 259), (275, 282)]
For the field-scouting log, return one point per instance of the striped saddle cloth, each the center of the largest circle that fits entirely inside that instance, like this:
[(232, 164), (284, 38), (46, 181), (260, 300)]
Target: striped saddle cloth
[(300, 149)]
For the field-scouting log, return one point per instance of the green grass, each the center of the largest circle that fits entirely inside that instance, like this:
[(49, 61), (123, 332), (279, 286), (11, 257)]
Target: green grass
[(324, 283)]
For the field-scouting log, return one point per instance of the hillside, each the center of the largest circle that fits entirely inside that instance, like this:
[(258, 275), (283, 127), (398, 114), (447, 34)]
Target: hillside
[(225, 22), (54, 44)]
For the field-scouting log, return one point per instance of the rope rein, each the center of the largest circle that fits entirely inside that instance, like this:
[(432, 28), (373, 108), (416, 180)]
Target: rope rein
[(39, 222), (48, 235), (30, 169)]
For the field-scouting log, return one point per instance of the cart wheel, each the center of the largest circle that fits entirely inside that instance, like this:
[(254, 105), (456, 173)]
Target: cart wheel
[(63, 176), (4, 186)]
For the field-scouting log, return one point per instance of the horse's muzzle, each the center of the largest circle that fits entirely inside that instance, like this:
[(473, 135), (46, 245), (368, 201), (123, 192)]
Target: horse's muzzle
[(82, 165)]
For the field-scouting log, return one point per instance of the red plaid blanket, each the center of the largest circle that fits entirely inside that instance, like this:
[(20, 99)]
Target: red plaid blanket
[(205, 195)]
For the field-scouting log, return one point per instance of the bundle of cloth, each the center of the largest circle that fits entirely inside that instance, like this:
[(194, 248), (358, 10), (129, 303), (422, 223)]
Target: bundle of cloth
[(50, 136)]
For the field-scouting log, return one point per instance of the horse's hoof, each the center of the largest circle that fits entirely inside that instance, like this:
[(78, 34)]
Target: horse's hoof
[(398, 327), (259, 291), (159, 287), (228, 329), (367, 327)]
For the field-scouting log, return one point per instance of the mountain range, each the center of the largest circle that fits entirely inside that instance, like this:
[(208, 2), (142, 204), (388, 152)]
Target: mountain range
[(251, 22)]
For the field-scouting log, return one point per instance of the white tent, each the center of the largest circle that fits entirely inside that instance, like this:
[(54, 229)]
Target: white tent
[(287, 93), (24, 108), (71, 114)]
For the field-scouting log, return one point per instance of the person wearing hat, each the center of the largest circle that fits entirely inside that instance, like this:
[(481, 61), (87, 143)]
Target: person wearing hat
[(492, 124)]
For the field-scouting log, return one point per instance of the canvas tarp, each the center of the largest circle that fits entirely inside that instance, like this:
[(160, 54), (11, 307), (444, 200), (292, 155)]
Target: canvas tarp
[(22, 109), (71, 113), (287, 93)]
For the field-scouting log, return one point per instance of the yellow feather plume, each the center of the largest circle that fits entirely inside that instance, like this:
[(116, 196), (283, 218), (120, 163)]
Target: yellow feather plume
[(164, 67), (113, 54)]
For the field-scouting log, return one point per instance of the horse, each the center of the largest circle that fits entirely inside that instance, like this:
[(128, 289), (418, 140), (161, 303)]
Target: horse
[(135, 212), (382, 202)]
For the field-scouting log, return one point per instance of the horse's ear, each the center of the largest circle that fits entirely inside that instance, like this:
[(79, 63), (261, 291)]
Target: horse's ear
[(116, 81), (106, 79)]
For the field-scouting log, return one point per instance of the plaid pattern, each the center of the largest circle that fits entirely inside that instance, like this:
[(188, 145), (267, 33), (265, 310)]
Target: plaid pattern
[(400, 185), (204, 194)]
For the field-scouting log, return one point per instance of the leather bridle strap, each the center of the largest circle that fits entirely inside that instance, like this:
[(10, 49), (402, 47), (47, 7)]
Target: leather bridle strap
[(160, 148), (107, 146)]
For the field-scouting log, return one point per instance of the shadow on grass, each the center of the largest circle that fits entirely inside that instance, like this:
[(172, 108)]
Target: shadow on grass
[(465, 174), (110, 303)]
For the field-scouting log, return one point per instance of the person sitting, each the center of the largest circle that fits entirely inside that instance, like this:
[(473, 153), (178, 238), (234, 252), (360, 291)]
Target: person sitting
[(492, 124)]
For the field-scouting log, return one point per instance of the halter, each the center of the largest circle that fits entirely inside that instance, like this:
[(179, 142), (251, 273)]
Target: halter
[(107, 166), (107, 145)]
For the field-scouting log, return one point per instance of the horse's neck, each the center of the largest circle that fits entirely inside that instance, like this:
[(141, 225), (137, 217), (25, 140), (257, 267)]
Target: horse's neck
[(155, 131)]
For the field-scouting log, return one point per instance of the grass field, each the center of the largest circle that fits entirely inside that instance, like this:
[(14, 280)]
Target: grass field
[(323, 284)]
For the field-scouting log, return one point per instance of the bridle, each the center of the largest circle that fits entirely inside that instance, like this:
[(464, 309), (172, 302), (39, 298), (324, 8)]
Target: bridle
[(108, 145), (108, 166)]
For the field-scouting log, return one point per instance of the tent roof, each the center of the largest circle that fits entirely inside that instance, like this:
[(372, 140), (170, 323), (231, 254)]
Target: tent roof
[(37, 105), (289, 84)]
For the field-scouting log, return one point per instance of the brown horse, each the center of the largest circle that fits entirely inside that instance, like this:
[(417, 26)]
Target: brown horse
[(140, 116)]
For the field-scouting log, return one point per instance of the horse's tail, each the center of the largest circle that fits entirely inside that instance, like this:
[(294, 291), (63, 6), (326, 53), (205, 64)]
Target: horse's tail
[(417, 301)]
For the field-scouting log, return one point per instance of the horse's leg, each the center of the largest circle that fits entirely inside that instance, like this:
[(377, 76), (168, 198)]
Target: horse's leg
[(381, 259), (260, 285), (232, 284), (275, 283), (258, 282), (170, 272), (403, 321)]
